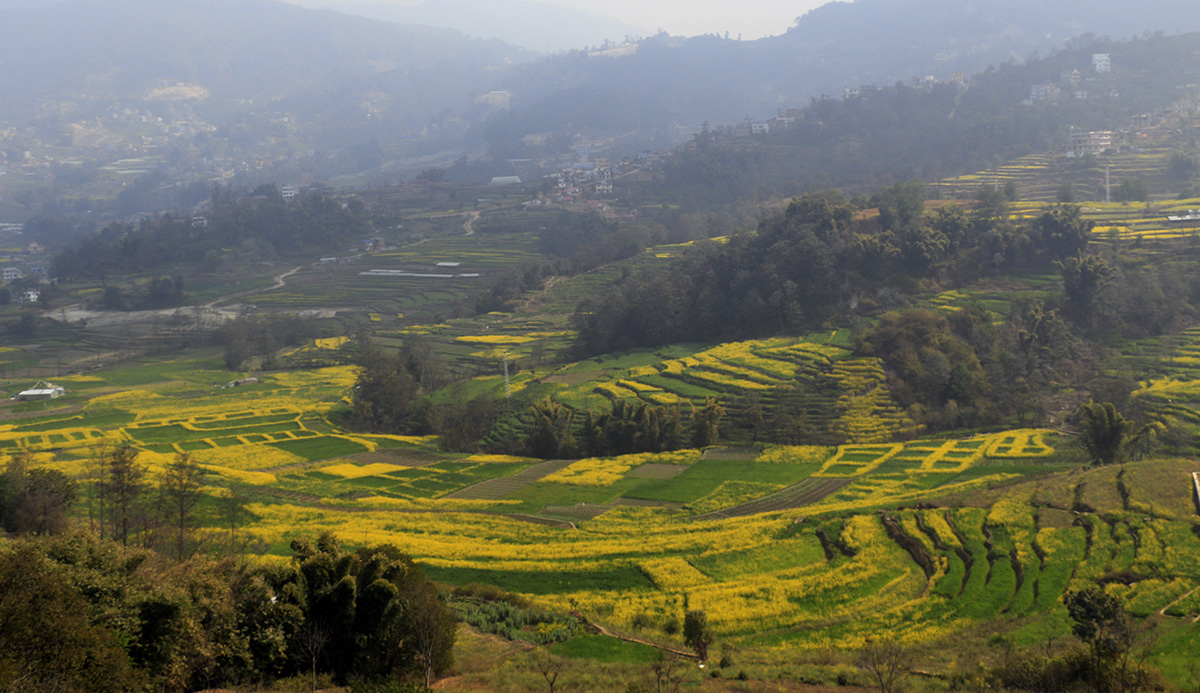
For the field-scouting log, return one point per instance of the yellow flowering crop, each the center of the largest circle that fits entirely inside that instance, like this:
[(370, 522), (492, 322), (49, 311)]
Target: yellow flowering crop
[(499, 458), (120, 400), (494, 339), (593, 472), (875, 454), (331, 342), (245, 477), (1025, 442), (354, 471), (795, 454), (673, 574), (246, 457)]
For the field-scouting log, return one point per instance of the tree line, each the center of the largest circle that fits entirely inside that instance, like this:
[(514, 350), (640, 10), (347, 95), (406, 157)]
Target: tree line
[(263, 225), (131, 606), (821, 259), (392, 395), (828, 260), (898, 131)]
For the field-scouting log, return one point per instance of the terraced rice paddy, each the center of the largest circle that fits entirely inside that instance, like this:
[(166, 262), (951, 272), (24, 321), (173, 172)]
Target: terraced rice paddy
[(779, 545), (846, 398), (1038, 177), (407, 282)]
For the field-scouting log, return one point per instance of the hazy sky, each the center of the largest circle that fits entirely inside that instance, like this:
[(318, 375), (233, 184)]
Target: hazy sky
[(750, 18)]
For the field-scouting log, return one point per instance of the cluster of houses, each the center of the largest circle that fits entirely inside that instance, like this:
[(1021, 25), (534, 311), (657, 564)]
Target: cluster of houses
[(578, 185), (1096, 142), (1070, 83), (13, 274)]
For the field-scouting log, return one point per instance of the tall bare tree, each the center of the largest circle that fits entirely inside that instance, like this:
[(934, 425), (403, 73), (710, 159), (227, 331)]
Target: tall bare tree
[(886, 661), (179, 489), (123, 484)]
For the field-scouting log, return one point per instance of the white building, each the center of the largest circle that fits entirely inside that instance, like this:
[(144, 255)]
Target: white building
[(11, 274), (42, 390), (1043, 92), (1101, 62), (1084, 142)]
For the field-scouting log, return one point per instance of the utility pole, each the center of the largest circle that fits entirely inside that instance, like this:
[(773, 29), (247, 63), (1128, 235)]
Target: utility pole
[(507, 386)]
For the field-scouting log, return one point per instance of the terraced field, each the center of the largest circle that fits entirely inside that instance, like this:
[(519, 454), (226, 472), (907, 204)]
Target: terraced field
[(807, 547), (1039, 177), (807, 492), (840, 397), (498, 489), (400, 288)]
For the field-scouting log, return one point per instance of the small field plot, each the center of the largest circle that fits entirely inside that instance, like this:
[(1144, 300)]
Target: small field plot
[(503, 487), (321, 447), (659, 472), (605, 649), (707, 475)]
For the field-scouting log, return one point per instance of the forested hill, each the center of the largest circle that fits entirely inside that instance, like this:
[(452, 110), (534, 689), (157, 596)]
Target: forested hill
[(870, 42), (261, 226), (259, 56), (930, 132), (255, 50)]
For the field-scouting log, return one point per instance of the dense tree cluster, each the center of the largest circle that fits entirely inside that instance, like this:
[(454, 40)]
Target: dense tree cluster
[(555, 431), (264, 225), (247, 339), (157, 293), (34, 499), (385, 394), (898, 131), (932, 362), (1107, 436), (392, 395), (84, 614), (1107, 661), (820, 259)]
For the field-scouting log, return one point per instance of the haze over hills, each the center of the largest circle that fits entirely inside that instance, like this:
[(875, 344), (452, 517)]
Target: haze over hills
[(255, 50), (840, 45), (276, 91), (869, 385), (262, 50), (534, 26)]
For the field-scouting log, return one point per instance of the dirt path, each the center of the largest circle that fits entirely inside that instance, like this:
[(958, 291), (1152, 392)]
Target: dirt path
[(469, 226), (279, 282), (1185, 595), (628, 638)]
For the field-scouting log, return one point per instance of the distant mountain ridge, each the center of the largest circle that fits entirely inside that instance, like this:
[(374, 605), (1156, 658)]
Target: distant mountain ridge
[(236, 49), (351, 81), (837, 46), (534, 26)]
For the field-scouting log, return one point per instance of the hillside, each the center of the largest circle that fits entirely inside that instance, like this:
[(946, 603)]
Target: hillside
[(140, 94), (722, 426), (236, 52), (838, 46)]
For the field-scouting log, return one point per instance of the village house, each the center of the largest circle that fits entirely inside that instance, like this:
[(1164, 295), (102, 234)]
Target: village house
[(42, 391), (1095, 142)]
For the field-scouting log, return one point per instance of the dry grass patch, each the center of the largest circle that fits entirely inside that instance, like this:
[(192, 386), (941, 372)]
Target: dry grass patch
[(656, 471)]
